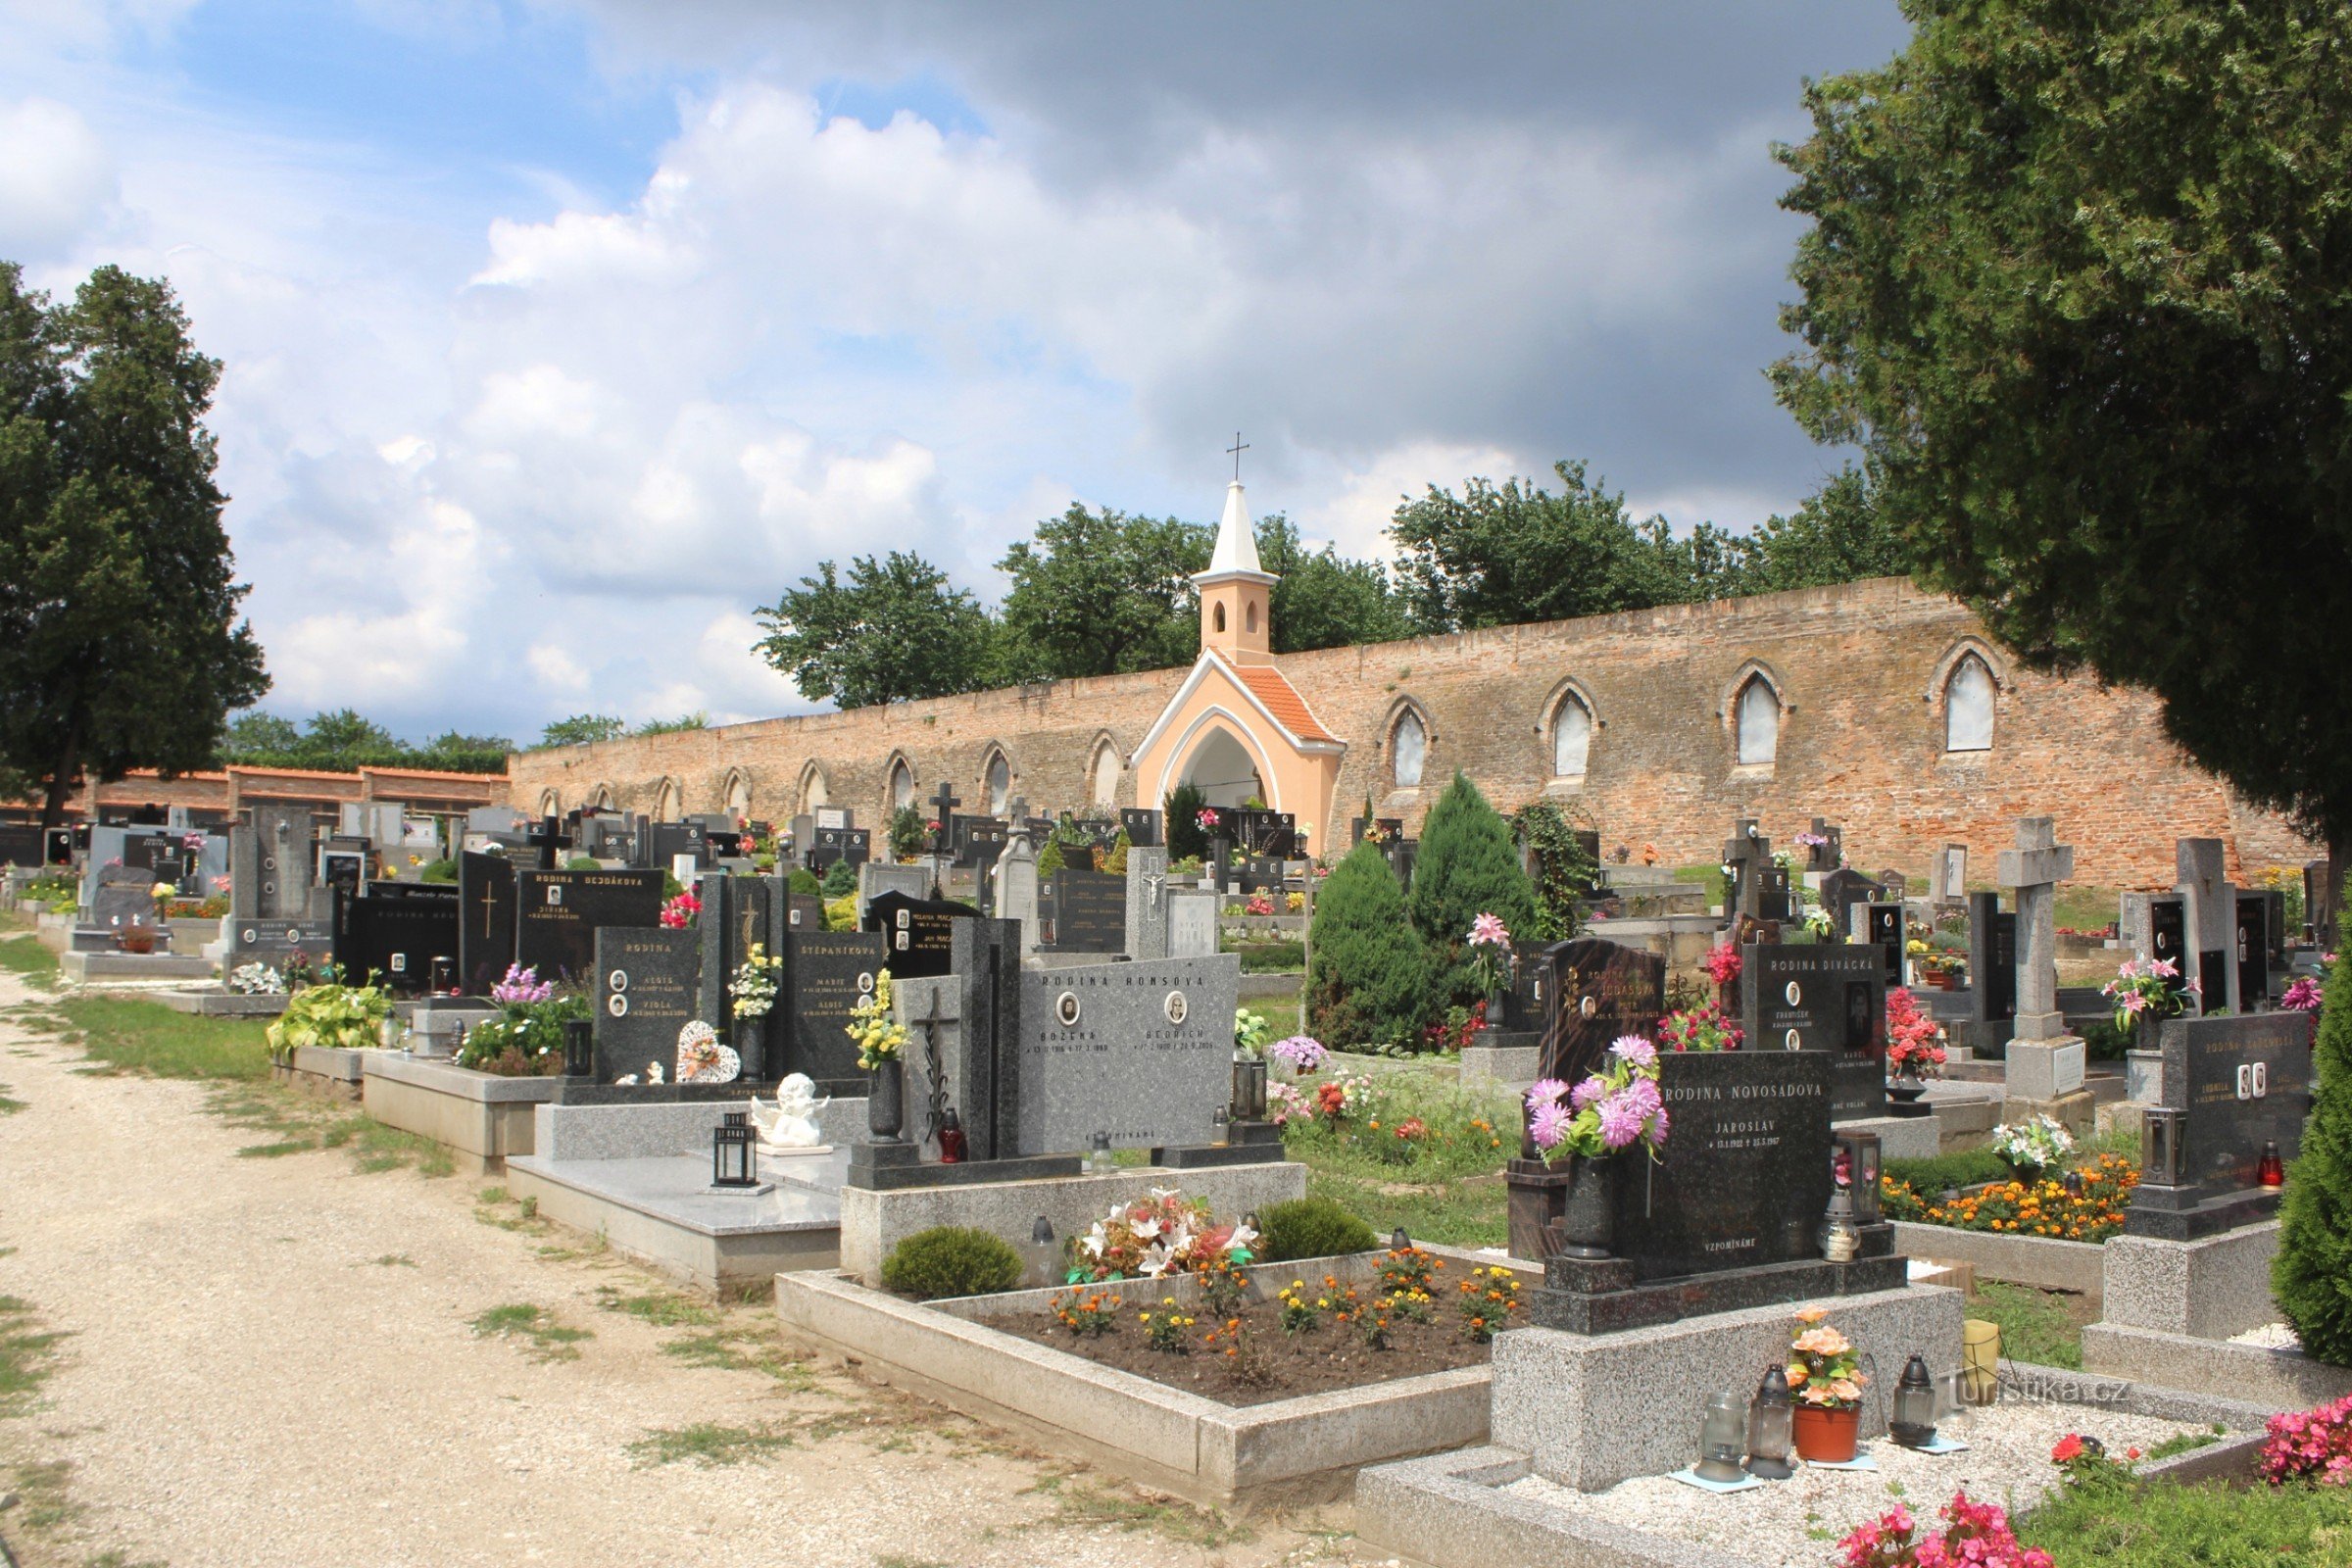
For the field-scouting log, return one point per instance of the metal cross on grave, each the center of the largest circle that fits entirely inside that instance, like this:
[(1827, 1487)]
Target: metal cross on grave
[(944, 804), (2033, 870), (547, 839), (935, 1097)]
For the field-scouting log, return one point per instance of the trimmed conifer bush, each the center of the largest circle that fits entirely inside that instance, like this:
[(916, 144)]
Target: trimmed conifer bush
[(840, 877), (1182, 834), (1310, 1227), (2311, 1275), (804, 881), (950, 1260), (1368, 983), (1468, 866)]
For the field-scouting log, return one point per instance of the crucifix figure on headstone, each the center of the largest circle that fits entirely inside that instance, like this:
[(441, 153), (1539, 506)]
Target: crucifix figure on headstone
[(2209, 906), (547, 839), (945, 803), (2033, 870)]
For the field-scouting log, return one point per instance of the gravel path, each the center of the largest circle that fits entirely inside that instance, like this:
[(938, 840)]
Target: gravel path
[(272, 1361)]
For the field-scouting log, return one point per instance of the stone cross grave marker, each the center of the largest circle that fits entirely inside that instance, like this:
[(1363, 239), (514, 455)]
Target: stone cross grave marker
[(1829, 854), (1742, 852), (2034, 870), (2209, 906), (1147, 900)]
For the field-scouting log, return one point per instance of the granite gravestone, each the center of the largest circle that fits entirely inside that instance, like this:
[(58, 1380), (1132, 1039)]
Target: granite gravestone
[(1191, 922), (1881, 925), (1142, 1051), (1142, 826), (20, 844), (486, 911), (646, 985), (1598, 991), (558, 913), (1258, 873), (735, 915), (1948, 881), (1992, 975), (877, 877), (1087, 913), (123, 902), (803, 913), (2234, 1084), (393, 932), (1825, 851), (1841, 890), (1746, 1171), (2253, 955), (918, 934), (663, 842), (2209, 909), (1146, 902), (1823, 999), (852, 845), (826, 974), (979, 840)]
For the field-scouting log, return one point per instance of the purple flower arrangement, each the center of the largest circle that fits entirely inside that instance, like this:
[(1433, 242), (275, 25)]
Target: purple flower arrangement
[(1617, 1108), (1301, 1054), (522, 985)]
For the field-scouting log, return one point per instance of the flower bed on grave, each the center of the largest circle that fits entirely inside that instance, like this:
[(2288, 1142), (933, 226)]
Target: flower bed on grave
[(1244, 1343), (2043, 1208)]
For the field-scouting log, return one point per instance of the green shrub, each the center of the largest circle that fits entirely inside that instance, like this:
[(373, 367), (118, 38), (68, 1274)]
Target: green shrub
[(1310, 1227), (841, 878), (1272, 957), (804, 881), (1468, 866), (909, 836), (438, 871), (1369, 982), (950, 1260), (2127, 1523), (1115, 862), (1965, 1167), (1050, 861), (1182, 834), (338, 1017), (2312, 1274), (582, 862)]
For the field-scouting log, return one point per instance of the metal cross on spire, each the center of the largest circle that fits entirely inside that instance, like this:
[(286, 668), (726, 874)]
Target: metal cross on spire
[(1239, 447)]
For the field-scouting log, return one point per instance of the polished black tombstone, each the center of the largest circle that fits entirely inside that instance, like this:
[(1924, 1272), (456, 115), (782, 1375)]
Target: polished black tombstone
[(558, 913), (2231, 1086), (391, 934), (1815, 998), (646, 986), (827, 973), (486, 908), (1086, 912), (917, 933)]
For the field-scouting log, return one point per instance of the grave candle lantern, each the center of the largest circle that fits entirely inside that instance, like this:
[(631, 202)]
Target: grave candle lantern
[(1249, 1088), (1913, 1423), (579, 1048), (1858, 1156), (1043, 1252), (441, 977), (1771, 1426), (732, 1160), (1720, 1432), (1841, 1241), (2272, 1172), (2161, 1129)]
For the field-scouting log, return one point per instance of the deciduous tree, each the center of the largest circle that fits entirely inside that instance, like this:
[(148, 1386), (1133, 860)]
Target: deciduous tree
[(894, 631)]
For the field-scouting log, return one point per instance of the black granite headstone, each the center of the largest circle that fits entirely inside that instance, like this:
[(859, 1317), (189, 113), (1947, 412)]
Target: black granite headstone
[(395, 931), (21, 846), (979, 840), (2168, 932), (485, 920), (918, 934), (1821, 999), (803, 913), (1992, 972), (666, 841), (836, 845), (1598, 990), (1143, 826), (1888, 934), (558, 913), (1745, 1174), (645, 989), (1841, 890), (2253, 953), (1087, 912), (828, 974), (1259, 873), (2240, 1082)]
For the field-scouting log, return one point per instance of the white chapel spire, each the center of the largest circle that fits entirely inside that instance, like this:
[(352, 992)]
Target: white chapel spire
[(1236, 554)]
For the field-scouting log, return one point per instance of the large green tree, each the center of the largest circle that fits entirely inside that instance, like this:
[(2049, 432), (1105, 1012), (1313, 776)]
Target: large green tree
[(893, 630), (120, 644), (2078, 285), (1837, 536), (1325, 600), (344, 740), (1103, 593), (583, 730), (1496, 554)]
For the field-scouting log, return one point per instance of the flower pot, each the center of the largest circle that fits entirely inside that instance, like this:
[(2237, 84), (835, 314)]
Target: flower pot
[(1825, 1435), (750, 1037), (886, 1103), (1588, 1218), (137, 939), (1903, 1093)]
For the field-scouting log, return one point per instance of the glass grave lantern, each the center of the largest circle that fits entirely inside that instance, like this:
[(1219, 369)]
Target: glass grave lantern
[(1771, 1426), (733, 1161), (2272, 1172), (1249, 1088), (1097, 1158), (1042, 1253), (2161, 1127), (1858, 1156), (441, 977), (1841, 1239), (1721, 1435), (1913, 1423), (579, 1048)]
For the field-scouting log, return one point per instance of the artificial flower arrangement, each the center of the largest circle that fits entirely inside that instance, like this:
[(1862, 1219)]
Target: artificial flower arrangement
[(1824, 1368), (256, 979), (526, 1039), (1914, 1041), (1162, 1233), (2152, 989), (2304, 996), (2034, 1145), (1974, 1533), (1286, 1105), (1705, 1027), (1722, 962), (520, 986), (753, 987), (702, 1059), (2311, 1445), (1301, 1054), (1490, 952), (680, 913), (1205, 820), (1258, 903), (880, 1037), (1355, 1097), (1613, 1108), (1249, 1032)]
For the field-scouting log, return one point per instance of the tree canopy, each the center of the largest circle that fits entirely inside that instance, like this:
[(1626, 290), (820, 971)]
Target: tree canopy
[(120, 644), (2076, 285), (894, 631), (344, 741), (1102, 593)]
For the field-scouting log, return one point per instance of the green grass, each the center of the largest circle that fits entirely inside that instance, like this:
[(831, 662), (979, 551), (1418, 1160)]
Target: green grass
[(297, 1123), (1091, 1506), (28, 1356), (25, 955), (1450, 1190), (708, 1444), (664, 1309), (148, 1037), (394, 1260), (2185, 1442), (2123, 1523), (545, 1339), (743, 1350), (41, 1501), (1456, 1213), (2034, 1325), (9, 1107)]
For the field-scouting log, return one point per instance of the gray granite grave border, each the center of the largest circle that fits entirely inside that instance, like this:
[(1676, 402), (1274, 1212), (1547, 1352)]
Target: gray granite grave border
[(2042, 1261), (337, 1071), (481, 1118), (1285, 1452)]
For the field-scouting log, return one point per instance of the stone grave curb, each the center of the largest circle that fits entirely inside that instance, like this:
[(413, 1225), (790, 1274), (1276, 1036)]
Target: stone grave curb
[(2042, 1261), (2282, 1380), (97, 966), (1450, 1511), (479, 1117), (1263, 987), (1514, 1065), (223, 1004), (1288, 1452), (728, 1262), (337, 1071), (2207, 1289)]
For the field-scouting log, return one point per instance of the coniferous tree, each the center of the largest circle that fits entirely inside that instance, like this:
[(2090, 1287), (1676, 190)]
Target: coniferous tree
[(2312, 1274), (1367, 985), (1185, 839), (1468, 865)]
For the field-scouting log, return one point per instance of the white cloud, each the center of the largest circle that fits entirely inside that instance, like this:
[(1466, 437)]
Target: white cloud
[(56, 177), (1363, 502)]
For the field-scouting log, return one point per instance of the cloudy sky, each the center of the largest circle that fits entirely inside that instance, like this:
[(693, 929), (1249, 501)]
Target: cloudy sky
[(561, 334)]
